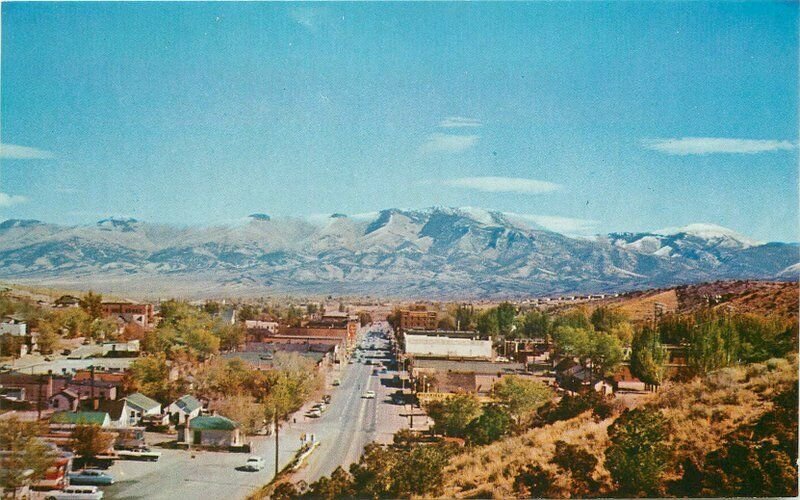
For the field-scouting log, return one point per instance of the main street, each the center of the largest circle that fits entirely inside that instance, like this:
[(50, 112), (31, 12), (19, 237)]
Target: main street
[(349, 423), (352, 421)]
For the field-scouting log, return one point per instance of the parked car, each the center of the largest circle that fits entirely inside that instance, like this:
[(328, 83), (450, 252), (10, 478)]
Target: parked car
[(326, 399), (140, 454), (336, 382), (90, 477), (75, 493), (320, 406), (314, 413), (368, 395), (254, 464)]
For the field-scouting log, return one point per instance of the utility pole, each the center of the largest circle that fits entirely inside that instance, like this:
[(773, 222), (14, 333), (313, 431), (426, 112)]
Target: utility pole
[(276, 444)]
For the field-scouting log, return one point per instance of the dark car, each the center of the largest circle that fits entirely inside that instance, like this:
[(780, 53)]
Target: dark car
[(91, 477)]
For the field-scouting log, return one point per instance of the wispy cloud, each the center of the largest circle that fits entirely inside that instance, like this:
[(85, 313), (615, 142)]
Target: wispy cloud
[(459, 122), (6, 200), (504, 184), (563, 225), (310, 18), (16, 152), (448, 143), (710, 145)]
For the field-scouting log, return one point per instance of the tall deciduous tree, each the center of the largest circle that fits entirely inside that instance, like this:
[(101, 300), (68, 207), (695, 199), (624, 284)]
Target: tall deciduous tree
[(92, 303), (452, 415), (24, 457), (648, 356), (522, 397), (88, 441), (638, 455)]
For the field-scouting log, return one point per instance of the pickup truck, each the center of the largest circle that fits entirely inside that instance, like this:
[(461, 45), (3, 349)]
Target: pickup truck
[(140, 454)]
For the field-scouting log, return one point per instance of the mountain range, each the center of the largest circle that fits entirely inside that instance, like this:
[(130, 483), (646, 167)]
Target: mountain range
[(436, 252)]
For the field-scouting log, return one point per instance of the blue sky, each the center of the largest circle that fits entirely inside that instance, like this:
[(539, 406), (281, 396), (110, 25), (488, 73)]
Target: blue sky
[(602, 117)]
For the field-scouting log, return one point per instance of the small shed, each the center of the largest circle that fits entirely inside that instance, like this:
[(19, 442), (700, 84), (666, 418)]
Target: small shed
[(212, 430)]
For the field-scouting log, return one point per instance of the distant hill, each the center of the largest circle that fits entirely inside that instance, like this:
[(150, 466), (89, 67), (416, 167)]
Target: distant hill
[(445, 253)]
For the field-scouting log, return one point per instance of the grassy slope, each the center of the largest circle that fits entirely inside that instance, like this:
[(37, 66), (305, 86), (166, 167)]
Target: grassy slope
[(701, 413)]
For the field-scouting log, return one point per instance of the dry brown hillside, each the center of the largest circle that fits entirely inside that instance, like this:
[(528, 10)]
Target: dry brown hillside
[(700, 413), (757, 297)]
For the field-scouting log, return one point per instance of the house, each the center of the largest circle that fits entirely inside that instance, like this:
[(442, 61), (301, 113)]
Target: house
[(128, 349), (66, 400), (90, 389), (118, 411), (184, 408), (212, 430), (140, 406), (37, 388), (69, 419), (66, 302)]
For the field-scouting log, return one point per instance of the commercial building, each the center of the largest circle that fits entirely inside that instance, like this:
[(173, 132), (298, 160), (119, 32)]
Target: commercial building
[(129, 312), (418, 320), (447, 344)]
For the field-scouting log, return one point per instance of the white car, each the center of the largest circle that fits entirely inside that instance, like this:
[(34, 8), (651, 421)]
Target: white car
[(314, 413), (140, 454), (75, 493), (254, 464), (368, 395)]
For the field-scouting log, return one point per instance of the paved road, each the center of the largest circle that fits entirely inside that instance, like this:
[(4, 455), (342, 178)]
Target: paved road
[(352, 421)]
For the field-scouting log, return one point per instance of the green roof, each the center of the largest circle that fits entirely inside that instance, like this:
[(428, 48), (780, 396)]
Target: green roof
[(188, 403), (215, 423), (141, 401), (79, 417)]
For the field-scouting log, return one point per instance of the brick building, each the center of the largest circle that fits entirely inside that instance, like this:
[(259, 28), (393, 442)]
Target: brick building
[(130, 312), (418, 320)]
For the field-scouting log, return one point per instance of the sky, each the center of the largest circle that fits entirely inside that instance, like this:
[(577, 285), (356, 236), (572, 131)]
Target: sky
[(591, 117)]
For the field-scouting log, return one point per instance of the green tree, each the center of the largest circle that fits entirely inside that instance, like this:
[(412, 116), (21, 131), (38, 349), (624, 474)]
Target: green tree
[(606, 319), (605, 353), (90, 440), (212, 307), (339, 485), (523, 397), (230, 336), (487, 323), (505, 312), (48, 338), (150, 376), (493, 423), (534, 481), (536, 325), (465, 317), (25, 457), (10, 345), (575, 318), (92, 303), (579, 464), (571, 341), (452, 415), (103, 329), (648, 356), (638, 455), (243, 409)]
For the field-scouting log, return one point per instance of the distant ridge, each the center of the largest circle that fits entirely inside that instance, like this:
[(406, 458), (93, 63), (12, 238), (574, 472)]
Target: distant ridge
[(437, 252)]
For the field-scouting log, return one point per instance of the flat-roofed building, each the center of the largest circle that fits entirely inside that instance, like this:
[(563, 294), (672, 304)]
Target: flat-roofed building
[(447, 344), (440, 378)]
